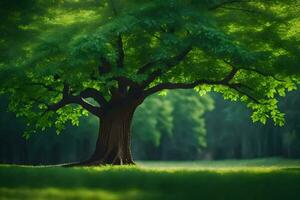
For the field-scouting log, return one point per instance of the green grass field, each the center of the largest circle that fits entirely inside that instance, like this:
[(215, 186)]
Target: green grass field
[(213, 180)]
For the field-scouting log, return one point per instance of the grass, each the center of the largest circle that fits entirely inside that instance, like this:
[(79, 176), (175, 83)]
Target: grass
[(251, 179)]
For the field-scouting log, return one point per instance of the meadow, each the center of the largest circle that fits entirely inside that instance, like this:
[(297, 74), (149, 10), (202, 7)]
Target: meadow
[(264, 179)]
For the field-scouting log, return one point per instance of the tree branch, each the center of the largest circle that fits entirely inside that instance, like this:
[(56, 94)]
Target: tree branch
[(112, 4), (126, 81), (37, 101), (119, 48), (242, 9), (122, 89), (54, 107), (105, 66), (68, 98), (48, 87), (95, 94), (255, 70), (225, 81), (170, 86), (169, 63), (147, 66), (162, 86), (92, 109), (74, 100), (144, 68), (237, 87), (230, 76), (227, 2)]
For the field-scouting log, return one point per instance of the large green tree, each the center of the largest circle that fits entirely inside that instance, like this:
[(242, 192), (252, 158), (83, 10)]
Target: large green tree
[(105, 57)]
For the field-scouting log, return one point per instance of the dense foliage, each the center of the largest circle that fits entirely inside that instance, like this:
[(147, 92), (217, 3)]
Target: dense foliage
[(58, 53)]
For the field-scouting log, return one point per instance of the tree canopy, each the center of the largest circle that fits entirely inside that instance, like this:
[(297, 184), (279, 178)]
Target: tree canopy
[(63, 59)]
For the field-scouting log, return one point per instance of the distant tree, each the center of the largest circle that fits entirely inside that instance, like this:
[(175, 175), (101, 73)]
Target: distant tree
[(73, 144), (163, 131), (189, 130), (106, 57), (291, 130), (236, 137), (152, 122)]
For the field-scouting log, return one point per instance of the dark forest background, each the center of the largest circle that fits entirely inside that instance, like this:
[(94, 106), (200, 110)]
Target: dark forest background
[(179, 125)]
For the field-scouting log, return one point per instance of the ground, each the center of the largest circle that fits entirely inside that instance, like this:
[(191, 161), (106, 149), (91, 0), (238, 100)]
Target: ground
[(265, 179)]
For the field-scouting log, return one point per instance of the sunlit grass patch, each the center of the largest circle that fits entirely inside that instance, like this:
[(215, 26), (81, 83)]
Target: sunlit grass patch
[(263, 165), (59, 193), (251, 179)]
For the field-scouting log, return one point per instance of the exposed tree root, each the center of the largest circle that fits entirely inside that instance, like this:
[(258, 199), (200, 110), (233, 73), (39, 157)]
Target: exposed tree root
[(90, 163)]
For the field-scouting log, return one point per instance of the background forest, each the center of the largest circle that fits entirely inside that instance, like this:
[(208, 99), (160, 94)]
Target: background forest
[(178, 125)]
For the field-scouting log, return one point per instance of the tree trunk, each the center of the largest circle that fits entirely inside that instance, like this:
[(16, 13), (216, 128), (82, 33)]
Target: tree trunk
[(113, 144)]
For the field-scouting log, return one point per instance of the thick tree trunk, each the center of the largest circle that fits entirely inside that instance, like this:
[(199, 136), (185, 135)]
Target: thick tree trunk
[(113, 144)]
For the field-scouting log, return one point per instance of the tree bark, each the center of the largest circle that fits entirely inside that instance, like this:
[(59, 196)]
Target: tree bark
[(113, 144)]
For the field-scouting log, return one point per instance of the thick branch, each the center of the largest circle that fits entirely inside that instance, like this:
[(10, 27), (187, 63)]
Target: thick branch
[(95, 94), (63, 102), (220, 5), (230, 76), (225, 81), (66, 90), (91, 108), (126, 81), (242, 9), (170, 86), (105, 66), (58, 105), (255, 70), (162, 86), (238, 87), (74, 100), (169, 63), (68, 98), (145, 67)]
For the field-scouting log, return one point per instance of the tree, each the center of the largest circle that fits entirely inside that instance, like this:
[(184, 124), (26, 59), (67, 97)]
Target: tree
[(72, 145), (189, 131), (162, 130), (152, 122), (106, 57), (236, 137)]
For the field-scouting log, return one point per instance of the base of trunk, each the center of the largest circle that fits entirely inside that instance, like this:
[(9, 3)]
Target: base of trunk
[(113, 143), (96, 163)]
